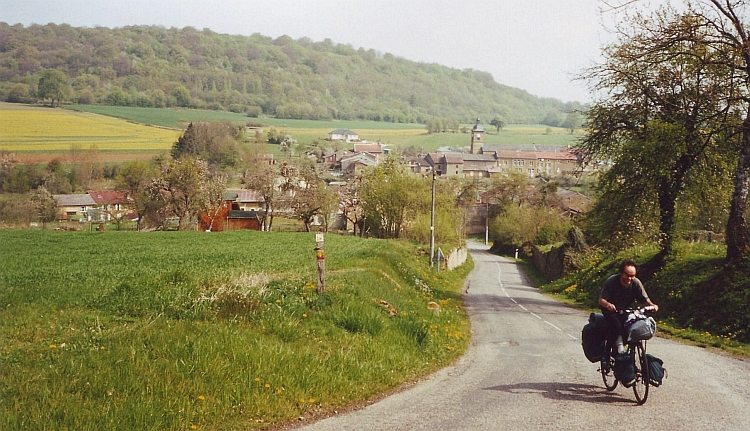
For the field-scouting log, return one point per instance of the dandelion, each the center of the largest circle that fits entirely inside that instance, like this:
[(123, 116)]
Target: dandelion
[(194, 427), (311, 400), (278, 301), (302, 401), (279, 390), (267, 385), (304, 314), (201, 397), (53, 346)]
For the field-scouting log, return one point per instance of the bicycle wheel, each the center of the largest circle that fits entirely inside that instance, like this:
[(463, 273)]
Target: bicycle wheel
[(607, 368), (640, 388)]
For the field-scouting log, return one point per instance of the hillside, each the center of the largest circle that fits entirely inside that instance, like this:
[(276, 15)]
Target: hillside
[(155, 67)]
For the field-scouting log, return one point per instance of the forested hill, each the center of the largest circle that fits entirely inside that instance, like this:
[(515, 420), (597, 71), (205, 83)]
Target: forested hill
[(156, 66)]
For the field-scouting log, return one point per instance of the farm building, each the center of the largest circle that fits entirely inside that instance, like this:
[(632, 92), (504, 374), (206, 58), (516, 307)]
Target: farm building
[(70, 207), (231, 217)]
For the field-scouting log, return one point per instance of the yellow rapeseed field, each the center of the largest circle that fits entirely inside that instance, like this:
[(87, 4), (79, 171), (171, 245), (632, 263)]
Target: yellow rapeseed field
[(37, 129)]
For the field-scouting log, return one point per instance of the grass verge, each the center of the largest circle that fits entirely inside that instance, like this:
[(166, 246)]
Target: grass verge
[(191, 330)]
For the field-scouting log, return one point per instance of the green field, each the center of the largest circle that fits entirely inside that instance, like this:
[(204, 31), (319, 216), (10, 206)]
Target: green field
[(399, 135), (190, 330)]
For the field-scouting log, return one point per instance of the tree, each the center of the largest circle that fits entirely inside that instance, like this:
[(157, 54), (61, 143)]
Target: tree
[(212, 198), (182, 96), (572, 121), (262, 177), (54, 85), (349, 202), (389, 195), (183, 180), (310, 195), (667, 99), (215, 142), (45, 205), (135, 178), (498, 123)]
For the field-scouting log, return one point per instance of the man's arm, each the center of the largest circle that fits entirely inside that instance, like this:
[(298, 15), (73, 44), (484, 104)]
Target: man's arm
[(607, 305), (649, 303)]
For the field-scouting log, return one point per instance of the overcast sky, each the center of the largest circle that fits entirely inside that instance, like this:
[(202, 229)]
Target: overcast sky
[(536, 45)]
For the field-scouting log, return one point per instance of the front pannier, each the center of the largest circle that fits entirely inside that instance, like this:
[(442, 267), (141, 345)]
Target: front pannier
[(642, 329)]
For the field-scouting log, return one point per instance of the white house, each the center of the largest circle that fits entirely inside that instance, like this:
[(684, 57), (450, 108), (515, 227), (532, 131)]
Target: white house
[(343, 135)]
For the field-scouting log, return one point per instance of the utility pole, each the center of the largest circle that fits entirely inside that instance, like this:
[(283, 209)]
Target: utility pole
[(487, 224), (432, 223)]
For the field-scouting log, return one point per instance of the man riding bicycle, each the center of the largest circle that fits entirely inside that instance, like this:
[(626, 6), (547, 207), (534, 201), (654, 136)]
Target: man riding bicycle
[(618, 293)]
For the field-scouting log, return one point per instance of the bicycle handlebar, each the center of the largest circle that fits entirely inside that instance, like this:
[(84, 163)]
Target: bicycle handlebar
[(646, 309)]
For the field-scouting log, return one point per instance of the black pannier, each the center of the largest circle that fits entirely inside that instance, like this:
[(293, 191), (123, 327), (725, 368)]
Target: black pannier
[(656, 370), (624, 369), (593, 337)]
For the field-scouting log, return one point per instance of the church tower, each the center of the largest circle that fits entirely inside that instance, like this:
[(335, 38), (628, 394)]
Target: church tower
[(476, 138)]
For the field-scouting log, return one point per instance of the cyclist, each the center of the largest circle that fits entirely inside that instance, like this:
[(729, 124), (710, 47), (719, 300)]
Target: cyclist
[(618, 293)]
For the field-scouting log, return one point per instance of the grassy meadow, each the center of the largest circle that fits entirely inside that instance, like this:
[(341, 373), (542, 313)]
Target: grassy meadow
[(398, 135), (190, 330)]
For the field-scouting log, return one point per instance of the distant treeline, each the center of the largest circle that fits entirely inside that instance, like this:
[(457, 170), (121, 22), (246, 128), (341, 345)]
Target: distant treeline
[(156, 67)]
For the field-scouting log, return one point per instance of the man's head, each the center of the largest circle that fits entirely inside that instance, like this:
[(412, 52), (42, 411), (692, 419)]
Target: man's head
[(628, 269)]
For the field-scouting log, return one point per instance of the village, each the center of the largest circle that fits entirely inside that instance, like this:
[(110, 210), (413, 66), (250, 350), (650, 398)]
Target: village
[(244, 208)]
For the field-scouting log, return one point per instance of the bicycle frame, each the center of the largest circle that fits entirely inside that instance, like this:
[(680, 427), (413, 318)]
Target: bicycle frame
[(636, 349)]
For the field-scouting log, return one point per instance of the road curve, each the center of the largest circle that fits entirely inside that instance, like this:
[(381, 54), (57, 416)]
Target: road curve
[(525, 369)]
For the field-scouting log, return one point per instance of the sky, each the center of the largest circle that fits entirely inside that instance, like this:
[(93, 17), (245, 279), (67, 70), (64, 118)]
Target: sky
[(536, 45)]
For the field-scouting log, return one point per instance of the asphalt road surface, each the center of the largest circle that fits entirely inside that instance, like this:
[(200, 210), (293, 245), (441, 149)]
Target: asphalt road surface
[(525, 370)]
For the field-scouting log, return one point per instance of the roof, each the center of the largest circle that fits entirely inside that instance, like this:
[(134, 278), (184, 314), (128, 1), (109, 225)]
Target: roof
[(486, 157), (369, 148), (74, 200), (342, 132), (245, 195), (477, 127), (235, 214), (453, 158), (360, 156), (109, 197)]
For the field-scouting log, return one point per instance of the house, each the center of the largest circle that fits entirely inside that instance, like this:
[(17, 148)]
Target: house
[(448, 164), (247, 200), (229, 216), (418, 165), (350, 164), (376, 149), (343, 135), (111, 204), (71, 207), (332, 159)]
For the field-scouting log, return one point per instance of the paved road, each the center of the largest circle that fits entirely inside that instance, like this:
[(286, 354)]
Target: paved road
[(525, 370)]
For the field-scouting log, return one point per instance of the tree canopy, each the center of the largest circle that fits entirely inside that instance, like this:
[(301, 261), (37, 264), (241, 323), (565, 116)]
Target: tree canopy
[(152, 66)]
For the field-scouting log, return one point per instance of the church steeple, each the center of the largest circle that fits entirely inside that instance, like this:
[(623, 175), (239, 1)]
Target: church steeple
[(476, 137)]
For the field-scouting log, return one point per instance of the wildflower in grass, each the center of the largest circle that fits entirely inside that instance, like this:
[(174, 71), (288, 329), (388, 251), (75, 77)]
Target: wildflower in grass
[(304, 314), (201, 397), (278, 301), (302, 401), (53, 346), (193, 427), (311, 400), (267, 385), (257, 379), (279, 391), (309, 285)]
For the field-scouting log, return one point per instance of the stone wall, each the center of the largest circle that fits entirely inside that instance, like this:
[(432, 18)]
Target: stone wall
[(456, 258)]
